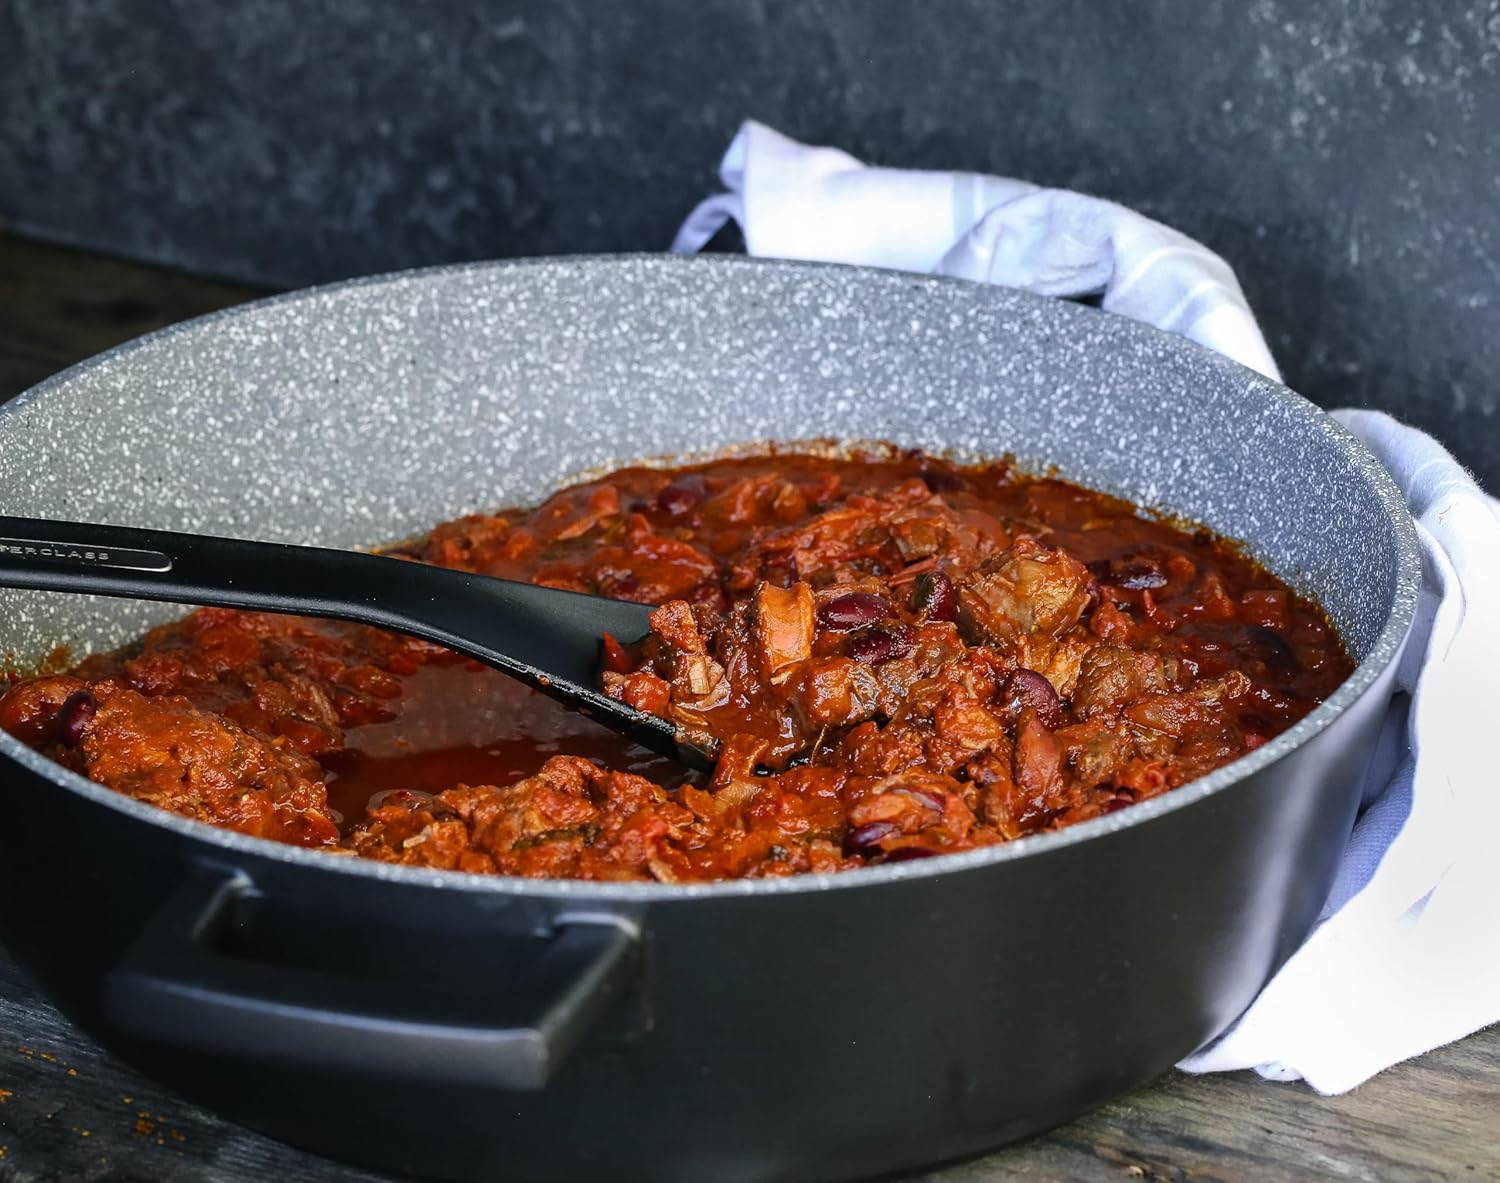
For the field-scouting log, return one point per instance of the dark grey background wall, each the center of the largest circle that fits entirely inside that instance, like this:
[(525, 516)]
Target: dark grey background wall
[(1345, 157)]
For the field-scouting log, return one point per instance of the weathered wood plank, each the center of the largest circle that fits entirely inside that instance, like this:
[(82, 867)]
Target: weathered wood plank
[(72, 1111), (58, 306)]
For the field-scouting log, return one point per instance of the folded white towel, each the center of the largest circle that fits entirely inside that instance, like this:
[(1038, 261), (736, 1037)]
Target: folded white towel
[(797, 202), (1407, 954)]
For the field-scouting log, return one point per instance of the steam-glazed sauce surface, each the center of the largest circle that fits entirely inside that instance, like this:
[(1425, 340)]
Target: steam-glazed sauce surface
[(898, 656)]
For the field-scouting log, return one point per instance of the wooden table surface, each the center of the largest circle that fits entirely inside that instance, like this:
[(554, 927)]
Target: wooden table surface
[(68, 1111)]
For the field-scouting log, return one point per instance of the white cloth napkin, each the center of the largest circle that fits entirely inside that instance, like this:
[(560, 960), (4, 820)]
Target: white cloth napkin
[(797, 202), (1406, 956)]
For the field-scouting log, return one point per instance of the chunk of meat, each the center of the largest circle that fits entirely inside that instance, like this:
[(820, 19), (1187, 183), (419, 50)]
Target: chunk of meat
[(1000, 805), (784, 622), (836, 692), (298, 708), (180, 758), (1170, 714), (919, 537), (744, 501), (1097, 749), (603, 504), (32, 710), (1036, 764), (912, 803), (1110, 624), (468, 543), (1029, 589), (674, 623), (1111, 677), (537, 827), (1059, 661), (961, 719), (1223, 689), (830, 539)]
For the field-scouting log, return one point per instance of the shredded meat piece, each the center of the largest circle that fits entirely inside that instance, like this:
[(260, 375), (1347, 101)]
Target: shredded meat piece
[(836, 692), (783, 628), (1111, 676), (674, 624), (211, 769), (1036, 764), (1031, 589)]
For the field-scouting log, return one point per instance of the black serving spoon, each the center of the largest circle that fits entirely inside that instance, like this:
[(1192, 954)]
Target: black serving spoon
[(547, 638)]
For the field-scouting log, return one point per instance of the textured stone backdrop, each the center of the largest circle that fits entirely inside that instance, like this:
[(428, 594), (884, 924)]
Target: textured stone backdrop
[(1345, 157)]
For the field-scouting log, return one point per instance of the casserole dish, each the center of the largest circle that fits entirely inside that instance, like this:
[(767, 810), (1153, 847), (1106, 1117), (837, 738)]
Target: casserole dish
[(453, 1026)]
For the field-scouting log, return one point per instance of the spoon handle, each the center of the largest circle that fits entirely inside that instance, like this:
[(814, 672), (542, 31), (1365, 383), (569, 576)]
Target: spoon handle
[(543, 636), (504, 620), (190, 568)]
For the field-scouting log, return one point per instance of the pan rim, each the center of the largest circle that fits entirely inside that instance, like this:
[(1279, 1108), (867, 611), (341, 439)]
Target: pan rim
[(1383, 652)]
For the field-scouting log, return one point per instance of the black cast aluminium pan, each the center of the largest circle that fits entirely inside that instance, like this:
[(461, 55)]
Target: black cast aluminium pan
[(461, 1027)]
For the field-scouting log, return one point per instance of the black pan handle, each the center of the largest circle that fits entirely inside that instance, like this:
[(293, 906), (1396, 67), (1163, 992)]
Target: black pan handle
[(175, 987)]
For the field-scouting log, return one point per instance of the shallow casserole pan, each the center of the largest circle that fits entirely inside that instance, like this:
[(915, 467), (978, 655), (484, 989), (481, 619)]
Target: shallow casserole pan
[(466, 1027)]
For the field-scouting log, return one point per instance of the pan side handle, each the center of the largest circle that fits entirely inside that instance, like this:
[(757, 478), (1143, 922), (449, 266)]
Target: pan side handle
[(176, 984)]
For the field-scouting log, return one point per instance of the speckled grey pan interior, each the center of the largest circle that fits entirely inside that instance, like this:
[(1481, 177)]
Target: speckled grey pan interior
[(367, 411)]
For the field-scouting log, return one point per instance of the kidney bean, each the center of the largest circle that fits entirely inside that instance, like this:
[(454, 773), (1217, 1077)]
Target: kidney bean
[(880, 645), (1135, 572), (711, 596), (941, 481), (905, 853), (1279, 655), (1143, 578), (677, 500), (865, 839), (74, 717), (1115, 804), (852, 611), (619, 587), (934, 597), (1029, 688)]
